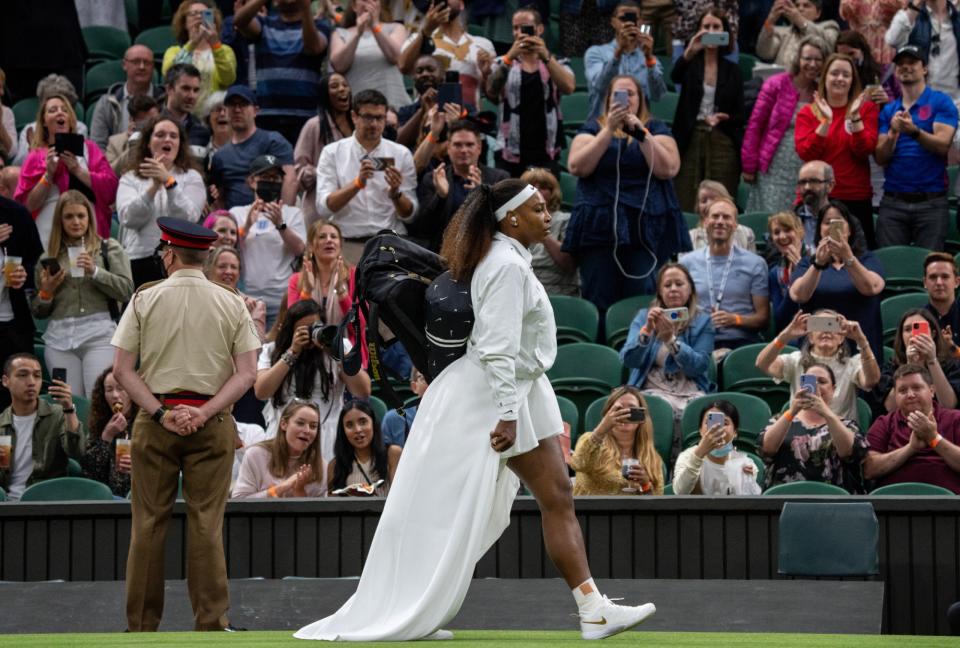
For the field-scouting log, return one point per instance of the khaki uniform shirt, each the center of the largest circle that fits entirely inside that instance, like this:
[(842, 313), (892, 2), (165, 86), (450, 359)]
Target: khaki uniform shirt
[(186, 331)]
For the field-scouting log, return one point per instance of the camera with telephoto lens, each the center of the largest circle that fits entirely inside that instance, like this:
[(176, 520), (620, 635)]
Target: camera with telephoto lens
[(323, 334)]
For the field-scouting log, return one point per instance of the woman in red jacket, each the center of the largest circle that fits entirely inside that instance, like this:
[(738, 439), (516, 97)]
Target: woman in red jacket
[(840, 128)]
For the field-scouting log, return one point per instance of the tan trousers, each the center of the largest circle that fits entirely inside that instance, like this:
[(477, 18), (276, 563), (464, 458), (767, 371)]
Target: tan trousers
[(206, 459)]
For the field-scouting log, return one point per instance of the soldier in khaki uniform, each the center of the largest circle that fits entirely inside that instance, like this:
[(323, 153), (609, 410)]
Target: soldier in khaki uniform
[(198, 349)]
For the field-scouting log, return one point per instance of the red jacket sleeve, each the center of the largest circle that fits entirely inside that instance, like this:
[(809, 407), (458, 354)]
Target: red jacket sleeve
[(810, 146), (293, 289)]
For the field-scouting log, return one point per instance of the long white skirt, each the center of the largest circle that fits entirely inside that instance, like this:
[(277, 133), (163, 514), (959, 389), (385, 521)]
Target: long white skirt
[(449, 502)]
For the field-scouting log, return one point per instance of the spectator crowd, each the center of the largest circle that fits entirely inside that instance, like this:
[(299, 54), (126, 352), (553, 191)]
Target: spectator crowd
[(748, 188)]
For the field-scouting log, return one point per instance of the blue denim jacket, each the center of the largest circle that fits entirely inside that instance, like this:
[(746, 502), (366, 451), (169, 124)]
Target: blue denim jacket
[(923, 30), (696, 347)]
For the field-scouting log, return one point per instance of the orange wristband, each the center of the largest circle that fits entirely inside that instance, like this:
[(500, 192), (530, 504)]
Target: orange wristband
[(935, 441), (45, 296), (304, 294), (788, 415), (357, 183), (506, 60), (651, 61), (216, 46), (43, 180), (737, 320), (272, 491), (646, 488), (777, 343), (377, 28), (431, 138)]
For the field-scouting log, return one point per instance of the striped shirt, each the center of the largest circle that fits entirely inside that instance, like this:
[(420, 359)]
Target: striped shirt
[(287, 78)]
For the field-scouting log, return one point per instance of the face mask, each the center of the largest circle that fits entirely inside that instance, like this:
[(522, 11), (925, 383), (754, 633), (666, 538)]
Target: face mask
[(722, 451)]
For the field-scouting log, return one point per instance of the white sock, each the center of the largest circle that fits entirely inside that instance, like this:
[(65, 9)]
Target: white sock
[(587, 596)]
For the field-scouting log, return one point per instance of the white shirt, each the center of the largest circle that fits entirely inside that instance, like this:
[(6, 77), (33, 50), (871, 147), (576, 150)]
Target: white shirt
[(266, 259), (371, 210), (942, 68), (139, 233), (727, 478), (22, 454), (847, 374), (514, 334)]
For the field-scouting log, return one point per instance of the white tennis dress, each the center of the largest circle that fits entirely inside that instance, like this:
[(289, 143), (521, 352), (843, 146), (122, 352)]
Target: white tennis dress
[(452, 494)]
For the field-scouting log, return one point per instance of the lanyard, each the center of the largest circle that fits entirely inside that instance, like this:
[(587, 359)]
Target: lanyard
[(715, 304)]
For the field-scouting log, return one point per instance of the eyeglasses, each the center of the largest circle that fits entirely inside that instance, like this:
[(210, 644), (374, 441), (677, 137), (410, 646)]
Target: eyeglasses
[(810, 181), (811, 59), (139, 62), (371, 119), (935, 45)]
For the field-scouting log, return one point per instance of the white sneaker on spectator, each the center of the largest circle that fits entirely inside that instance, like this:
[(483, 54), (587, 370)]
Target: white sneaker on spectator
[(609, 619)]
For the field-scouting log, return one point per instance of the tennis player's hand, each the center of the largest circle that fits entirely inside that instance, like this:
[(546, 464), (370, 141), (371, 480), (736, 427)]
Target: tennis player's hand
[(503, 436)]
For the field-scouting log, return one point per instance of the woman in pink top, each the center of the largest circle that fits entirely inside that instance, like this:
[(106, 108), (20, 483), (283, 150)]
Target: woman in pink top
[(768, 155), (48, 173), (872, 19), (840, 128), (288, 465)]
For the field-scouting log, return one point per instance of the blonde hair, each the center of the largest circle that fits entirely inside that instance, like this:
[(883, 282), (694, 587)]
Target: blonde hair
[(713, 187), (280, 451), (643, 446), (343, 271), (210, 265), (540, 176), (179, 23), (91, 240), (784, 219), (40, 133)]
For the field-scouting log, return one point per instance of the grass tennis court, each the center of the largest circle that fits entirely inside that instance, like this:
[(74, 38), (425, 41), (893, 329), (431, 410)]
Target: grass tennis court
[(488, 639)]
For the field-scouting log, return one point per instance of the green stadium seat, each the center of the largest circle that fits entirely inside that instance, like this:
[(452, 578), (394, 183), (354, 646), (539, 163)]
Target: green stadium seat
[(666, 62), (158, 39), (579, 72), (754, 416), (100, 77), (577, 319), (693, 220), (893, 308), (38, 350), (65, 489), (666, 108), (805, 488), (568, 188), (864, 416), (584, 372), (73, 467), (912, 488), (902, 268), (3, 495), (757, 222), (739, 373), (743, 195), (379, 408), (25, 111), (105, 43), (619, 316), (835, 539), (133, 16), (761, 467), (668, 488), (574, 107), (747, 63), (570, 414)]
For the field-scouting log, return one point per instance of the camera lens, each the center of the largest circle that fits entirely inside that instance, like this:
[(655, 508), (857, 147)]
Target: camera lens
[(323, 334)]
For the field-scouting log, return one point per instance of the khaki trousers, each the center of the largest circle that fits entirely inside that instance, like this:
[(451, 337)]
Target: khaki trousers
[(206, 459)]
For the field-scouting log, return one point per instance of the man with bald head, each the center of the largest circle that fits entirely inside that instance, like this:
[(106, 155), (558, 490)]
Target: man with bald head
[(814, 184), (110, 115)]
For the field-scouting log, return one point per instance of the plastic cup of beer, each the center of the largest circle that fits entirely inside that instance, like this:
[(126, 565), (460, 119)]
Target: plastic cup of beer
[(75, 251), (10, 265), (6, 448), (123, 449)]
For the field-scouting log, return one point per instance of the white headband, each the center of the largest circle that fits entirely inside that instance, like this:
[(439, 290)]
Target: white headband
[(515, 202)]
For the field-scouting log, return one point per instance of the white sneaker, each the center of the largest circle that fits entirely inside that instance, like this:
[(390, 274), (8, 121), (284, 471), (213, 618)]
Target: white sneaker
[(439, 635), (610, 619)]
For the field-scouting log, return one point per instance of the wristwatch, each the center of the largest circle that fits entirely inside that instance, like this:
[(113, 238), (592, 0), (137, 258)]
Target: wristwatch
[(282, 226), (848, 262), (819, 266), (158, 415)]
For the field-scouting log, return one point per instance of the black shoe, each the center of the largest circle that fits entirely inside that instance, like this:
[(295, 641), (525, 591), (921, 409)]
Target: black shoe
[(232, 628)]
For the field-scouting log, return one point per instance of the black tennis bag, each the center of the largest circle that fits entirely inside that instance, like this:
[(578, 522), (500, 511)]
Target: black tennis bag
[(392, 280)]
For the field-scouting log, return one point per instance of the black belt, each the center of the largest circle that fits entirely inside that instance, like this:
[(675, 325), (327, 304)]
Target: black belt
[(182, 398), (915, 196)]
